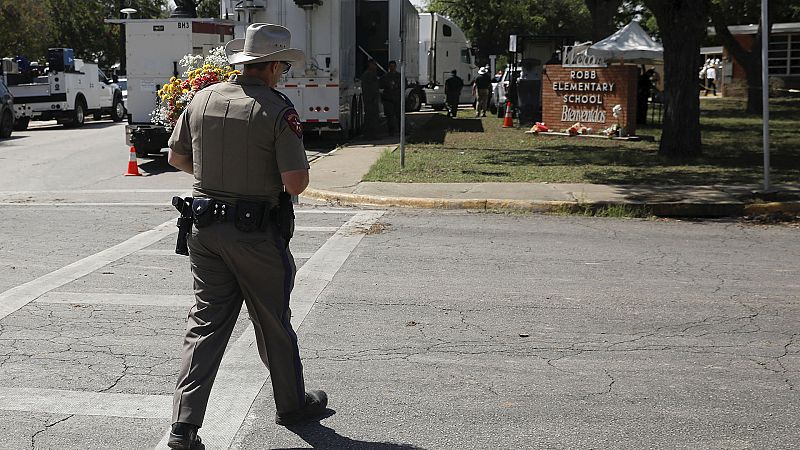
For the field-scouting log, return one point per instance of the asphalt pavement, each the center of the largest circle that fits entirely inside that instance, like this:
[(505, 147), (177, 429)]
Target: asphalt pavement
[(429, 328)]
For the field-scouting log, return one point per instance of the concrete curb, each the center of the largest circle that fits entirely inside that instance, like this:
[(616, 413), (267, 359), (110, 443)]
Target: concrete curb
[(667, 209), (434, 203), (788, 207)]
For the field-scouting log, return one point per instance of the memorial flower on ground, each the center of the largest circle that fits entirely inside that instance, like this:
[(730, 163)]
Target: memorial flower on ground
[(200, 72)]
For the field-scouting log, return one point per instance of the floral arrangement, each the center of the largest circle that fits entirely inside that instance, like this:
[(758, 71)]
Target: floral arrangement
[(200, 72)]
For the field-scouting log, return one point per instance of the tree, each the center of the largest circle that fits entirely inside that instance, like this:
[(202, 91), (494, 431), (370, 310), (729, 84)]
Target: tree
[(208, 8), (683, 26), (602, 14), (24, 28), (488, 23)]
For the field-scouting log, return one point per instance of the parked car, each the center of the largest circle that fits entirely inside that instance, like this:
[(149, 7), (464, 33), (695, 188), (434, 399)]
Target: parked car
[(500, 89), (6, 111)]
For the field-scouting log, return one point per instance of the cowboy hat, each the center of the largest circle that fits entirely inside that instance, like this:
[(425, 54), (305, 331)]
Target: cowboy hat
[(263, 42)]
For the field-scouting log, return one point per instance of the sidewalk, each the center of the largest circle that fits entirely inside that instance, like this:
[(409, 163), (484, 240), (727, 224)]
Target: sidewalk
[(337, 176)]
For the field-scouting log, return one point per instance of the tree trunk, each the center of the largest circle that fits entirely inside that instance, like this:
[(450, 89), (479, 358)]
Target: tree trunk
[(682, 24), (753, 73), (602, 12)]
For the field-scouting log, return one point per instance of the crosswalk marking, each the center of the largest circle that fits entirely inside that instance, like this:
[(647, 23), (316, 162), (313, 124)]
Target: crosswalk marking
[(106, 298), (59, 401)]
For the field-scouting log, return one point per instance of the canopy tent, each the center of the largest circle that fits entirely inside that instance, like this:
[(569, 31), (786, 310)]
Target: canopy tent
[(629, 44)]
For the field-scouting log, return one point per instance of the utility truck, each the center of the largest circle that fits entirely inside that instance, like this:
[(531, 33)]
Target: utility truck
[(443, 47), (67, 91), (153, 51), (338, 37)]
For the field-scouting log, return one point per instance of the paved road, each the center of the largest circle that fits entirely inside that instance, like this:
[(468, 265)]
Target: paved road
[(434, 330)]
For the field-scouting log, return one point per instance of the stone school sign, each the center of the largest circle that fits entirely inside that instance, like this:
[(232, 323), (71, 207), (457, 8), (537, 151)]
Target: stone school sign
[(586, 93)]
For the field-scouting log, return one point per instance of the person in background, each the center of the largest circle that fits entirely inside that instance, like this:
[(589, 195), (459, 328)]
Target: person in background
[(452, 92), (481, 90), (370, 88), (711, 77), (391, 86)]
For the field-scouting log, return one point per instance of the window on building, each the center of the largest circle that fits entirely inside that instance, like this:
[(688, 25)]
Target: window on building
[(784, 54), (447, 31)]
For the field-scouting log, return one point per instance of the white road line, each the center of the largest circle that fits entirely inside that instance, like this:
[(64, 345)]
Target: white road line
[(317, 229), (58, 401), (242, 374), (324, 211), (107, 298), (95, 191), (84, 204), (17, 297)]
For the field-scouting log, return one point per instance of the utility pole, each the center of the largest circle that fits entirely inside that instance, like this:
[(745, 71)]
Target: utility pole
[(765, 86), (402, 84)]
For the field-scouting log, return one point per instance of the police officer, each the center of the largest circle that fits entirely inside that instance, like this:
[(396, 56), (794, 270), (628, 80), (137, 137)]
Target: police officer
[(243, 141), (391, 86), (452, 92), (370, 88)]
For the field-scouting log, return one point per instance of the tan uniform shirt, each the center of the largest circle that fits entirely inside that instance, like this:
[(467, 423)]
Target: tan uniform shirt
[(241, 135)]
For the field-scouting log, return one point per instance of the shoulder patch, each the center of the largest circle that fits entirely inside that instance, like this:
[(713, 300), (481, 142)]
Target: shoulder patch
[(291, 117)]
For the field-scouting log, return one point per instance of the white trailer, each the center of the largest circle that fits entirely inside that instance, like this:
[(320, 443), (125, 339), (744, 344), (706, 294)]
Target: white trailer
[(443, 47), (69, 90), (337, 36), (154, 48)]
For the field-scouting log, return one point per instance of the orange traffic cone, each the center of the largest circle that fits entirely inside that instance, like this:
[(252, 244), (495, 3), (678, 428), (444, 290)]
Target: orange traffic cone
[(133, 164), (508, 122)]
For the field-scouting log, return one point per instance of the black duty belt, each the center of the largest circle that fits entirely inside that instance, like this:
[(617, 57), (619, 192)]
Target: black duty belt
[(246, 215)]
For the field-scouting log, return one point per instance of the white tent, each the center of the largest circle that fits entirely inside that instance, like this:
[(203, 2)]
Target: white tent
[(629, 44)]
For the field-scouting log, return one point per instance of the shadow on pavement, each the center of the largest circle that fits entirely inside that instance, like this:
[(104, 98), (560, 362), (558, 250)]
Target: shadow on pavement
[(319, 436), (439, 125), (157, 165)]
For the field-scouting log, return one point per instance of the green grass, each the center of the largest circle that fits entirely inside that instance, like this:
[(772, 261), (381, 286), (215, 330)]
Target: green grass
[(480, 150)]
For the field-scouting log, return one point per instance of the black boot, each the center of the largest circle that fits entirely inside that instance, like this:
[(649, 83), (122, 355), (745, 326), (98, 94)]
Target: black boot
[(316, 402), (183, 436)]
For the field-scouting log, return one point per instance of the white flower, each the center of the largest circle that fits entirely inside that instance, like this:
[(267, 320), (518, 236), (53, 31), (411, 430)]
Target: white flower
[(616, 110), (217, 58), (191, 62)]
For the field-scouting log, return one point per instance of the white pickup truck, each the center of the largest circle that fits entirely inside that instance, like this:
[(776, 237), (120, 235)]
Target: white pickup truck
[(66, 93)]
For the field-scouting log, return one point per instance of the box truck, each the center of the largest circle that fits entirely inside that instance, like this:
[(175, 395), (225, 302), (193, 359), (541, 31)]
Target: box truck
[(443, 47), (154, 48), (337, 36)]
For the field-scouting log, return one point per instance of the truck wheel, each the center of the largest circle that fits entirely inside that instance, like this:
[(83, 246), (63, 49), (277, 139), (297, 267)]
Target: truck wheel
[(413, 101), (6, 125), (78, 115), (22, 124), (117, 109)]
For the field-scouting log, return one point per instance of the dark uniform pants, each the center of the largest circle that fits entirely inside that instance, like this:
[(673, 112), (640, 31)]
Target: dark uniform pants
[(452, 104), (230, 266)]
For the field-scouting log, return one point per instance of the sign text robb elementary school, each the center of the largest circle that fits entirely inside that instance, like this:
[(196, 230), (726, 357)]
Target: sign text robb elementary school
[(583, 89)]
